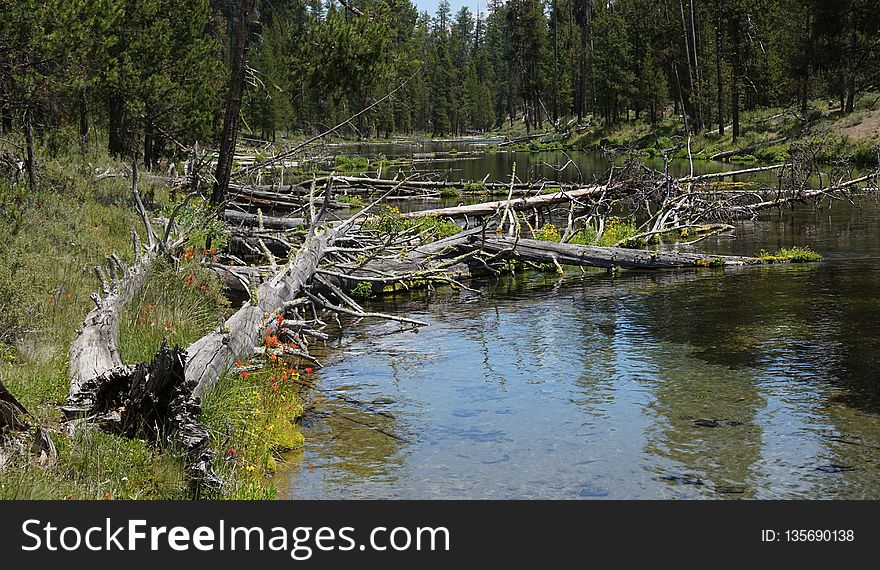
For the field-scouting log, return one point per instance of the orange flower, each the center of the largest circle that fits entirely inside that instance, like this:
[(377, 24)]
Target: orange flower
[(238, 362), (273, 358), (244, 373), (284, 376), (275, 387), (107, 496)]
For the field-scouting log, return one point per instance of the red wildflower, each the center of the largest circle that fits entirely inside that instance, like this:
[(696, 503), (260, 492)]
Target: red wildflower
[(244, 373), (308, 370), (275, 387), (232, 451), (238, 362)]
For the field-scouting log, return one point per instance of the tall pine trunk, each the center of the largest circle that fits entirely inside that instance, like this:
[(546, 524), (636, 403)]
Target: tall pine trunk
[(734, 78), (233, 102), (31, 155), (851, 76), (83, 120), (719, 50), (116, 144)]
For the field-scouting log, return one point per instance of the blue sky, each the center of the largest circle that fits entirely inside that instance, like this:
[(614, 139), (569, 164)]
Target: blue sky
[(431, 5)]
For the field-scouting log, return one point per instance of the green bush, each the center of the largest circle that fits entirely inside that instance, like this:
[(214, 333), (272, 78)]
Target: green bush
[(548, 233), (351, 163), (390, 220)]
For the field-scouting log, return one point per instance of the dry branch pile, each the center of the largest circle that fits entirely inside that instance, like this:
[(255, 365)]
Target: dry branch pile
[(296, 269)]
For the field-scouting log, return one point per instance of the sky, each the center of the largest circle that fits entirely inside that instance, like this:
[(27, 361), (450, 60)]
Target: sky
[(431, 5)]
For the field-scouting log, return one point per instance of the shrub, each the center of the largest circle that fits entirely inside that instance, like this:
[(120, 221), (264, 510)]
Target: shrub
[(548, 233)]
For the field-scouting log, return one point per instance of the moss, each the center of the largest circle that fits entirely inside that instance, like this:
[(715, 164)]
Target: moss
[(449, 192)]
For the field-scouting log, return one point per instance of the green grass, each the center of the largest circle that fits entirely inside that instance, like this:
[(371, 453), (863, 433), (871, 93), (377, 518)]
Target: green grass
[(350, 163), (827, 135), (250, 416), (51, 240), (353, 201), (178, 304), (390, 220), (793, 254), (616, 230)]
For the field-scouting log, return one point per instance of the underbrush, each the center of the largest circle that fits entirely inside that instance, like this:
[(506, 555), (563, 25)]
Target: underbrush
[(51, 241), (389, 220), (251, 416)]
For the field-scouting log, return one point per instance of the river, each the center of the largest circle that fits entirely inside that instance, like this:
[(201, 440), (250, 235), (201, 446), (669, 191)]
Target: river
[(758, 382)]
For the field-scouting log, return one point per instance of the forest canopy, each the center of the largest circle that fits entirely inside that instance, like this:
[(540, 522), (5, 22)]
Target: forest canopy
[(150, 76)]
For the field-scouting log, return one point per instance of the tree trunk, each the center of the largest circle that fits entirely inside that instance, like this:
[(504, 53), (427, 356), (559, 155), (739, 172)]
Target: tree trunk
[(719, 48), (490, 208), (690, 68), (734, 78), (31, 157), (851, 76), (148, 145), (116, 131), (83, 120), (233, 102), (598, 256)]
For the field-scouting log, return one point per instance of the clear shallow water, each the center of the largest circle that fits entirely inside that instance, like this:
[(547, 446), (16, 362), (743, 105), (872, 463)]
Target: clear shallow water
[(749, 383), (757, 383)]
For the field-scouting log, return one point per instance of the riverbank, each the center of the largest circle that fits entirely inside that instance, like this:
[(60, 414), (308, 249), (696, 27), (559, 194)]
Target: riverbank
[(766, 135), (51, 241)]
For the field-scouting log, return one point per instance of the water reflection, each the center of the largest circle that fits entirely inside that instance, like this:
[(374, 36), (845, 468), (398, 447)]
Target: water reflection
[(750, 383)]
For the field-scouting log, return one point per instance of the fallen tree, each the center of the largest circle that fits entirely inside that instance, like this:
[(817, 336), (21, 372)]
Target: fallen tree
[(303, 270)]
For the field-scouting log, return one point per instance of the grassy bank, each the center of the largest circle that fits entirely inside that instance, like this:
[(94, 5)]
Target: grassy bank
[(51, 241), (830, 135)]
